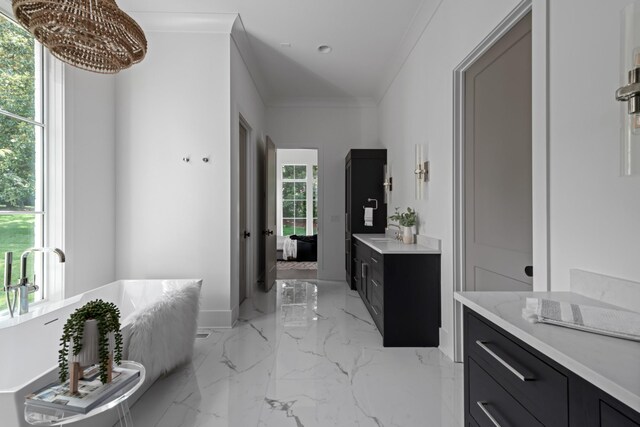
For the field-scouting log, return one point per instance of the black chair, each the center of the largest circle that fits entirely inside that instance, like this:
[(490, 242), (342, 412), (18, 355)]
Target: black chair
[(307, 247)]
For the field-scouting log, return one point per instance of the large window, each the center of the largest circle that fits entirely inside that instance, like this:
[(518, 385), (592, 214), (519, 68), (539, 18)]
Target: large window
[(299, 200), (22, 148)]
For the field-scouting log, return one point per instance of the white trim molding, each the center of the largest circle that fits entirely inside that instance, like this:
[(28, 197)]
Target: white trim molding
[(345, 102), (223, 319), (540, 191), (174, 22), (412, 36), (540, 145), (242, 41), (55, 171)]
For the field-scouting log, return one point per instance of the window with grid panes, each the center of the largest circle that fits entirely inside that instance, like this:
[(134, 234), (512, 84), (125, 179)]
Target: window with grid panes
[(22, 149)]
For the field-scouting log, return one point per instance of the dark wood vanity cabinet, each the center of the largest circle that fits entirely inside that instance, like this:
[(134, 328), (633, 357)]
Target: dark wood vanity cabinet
[(402, 294), (364, 179), (509, 383)]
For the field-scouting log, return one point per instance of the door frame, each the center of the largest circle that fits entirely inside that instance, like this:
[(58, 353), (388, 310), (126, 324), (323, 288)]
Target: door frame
[(540, 160), (249, 214), (285, 146)]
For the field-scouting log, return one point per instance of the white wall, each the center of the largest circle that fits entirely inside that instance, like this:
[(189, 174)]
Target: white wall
[(246, 103), (309, 158), (593, 212), (333, 130), (89, 240), (172, 217)]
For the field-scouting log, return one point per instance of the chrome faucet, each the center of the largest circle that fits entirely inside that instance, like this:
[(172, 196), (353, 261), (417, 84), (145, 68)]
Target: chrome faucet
[(397, 236), (23, 288)]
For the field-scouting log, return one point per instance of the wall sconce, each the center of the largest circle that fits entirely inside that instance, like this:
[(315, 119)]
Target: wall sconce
[(388, 183), (629, 93), (421, 172)]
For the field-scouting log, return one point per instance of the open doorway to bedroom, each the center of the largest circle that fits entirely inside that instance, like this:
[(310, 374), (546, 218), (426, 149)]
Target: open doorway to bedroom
[(297, 213)]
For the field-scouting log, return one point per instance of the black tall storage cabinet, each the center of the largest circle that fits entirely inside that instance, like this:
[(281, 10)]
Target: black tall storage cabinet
[(364, 179)]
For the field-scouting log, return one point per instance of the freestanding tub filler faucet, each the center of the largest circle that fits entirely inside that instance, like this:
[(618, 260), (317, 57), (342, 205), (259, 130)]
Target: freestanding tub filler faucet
[(23, 288)]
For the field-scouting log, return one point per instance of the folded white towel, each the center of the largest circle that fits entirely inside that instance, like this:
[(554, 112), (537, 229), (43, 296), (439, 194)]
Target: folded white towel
[(598, 320), (290, 249), (368, 217)]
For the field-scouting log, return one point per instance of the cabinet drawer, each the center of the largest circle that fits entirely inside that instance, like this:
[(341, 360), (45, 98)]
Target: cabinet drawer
[(490, 405), (536, 385), (362, 251), (377, 266), (377, 289), (377, 312), (610, 417)]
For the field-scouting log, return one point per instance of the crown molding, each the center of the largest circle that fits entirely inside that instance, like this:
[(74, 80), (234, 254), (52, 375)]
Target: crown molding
[(5, 8), (179, 22), (323, 103), (243, 43), (416, 28)]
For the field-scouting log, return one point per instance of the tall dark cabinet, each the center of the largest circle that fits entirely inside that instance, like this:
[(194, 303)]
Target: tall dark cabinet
[(364, 179)]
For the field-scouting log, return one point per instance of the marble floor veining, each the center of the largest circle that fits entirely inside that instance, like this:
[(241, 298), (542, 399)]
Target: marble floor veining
[(305, 354)]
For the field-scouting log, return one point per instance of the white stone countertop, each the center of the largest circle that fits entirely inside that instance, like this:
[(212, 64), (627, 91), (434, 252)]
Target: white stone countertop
[(611, 364), (387, 245)]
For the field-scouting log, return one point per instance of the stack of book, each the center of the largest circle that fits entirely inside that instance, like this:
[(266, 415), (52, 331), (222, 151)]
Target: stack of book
[(91, 391)]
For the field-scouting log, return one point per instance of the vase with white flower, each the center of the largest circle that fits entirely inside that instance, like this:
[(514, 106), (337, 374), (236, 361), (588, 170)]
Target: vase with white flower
[(406, 220)]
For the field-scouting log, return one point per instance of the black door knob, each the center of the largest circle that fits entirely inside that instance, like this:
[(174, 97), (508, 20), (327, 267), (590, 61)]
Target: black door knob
[(246, 234), (528, 270)]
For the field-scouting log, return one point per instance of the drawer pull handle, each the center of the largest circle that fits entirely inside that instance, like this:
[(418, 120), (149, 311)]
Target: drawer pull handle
[(374, 260), (374, 310), (374, 283), (484, 409), (500, 360)]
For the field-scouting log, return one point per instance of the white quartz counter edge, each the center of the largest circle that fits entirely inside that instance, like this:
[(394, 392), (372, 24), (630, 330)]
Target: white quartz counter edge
[(391, 247), (607, 385)]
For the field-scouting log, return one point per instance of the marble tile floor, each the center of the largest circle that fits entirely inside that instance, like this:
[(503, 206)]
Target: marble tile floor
[(305, 354)]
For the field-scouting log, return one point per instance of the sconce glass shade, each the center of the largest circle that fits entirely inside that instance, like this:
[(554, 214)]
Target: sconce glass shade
[(630, 78), (388, 183), (419, 172)]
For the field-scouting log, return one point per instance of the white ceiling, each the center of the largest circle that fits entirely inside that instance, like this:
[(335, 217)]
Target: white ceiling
[(368, 38)]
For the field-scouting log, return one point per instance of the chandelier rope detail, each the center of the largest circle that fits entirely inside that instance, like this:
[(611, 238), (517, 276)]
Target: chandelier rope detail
[(95, 35)]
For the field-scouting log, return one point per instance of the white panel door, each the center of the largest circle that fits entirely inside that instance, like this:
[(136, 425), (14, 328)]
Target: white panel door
[(498, 192)]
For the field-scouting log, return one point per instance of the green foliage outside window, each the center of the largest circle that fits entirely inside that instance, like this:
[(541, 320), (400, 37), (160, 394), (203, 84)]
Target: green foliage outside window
[(18, 139), (294, 200), (17, 96)]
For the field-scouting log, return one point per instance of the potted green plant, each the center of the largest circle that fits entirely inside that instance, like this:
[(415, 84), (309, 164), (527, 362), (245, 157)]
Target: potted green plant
[(90, 336), (407, 220)]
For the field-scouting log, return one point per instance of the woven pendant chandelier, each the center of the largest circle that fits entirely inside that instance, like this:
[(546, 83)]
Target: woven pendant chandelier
[(95, 35)]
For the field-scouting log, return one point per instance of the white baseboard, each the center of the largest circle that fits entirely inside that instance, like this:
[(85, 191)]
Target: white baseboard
[(446, 344), (217, 318), (331, 276), (235, 312)]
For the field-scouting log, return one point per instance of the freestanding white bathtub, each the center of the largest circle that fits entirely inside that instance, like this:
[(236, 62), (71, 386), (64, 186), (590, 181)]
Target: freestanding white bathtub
[(30, 343)]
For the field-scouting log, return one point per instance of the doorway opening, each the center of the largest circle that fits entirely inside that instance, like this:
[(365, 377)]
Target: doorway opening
[(500, 161), (297, 213)]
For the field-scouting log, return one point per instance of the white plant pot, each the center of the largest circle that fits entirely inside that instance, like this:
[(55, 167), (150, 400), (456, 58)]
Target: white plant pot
[(89, 355), (407, 236)]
